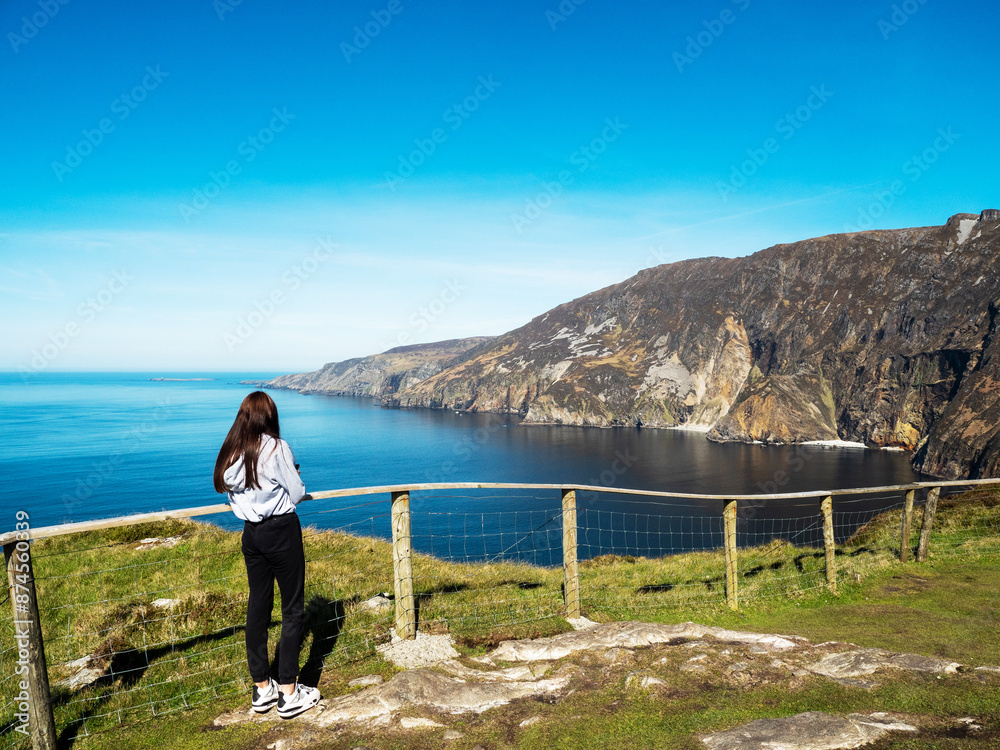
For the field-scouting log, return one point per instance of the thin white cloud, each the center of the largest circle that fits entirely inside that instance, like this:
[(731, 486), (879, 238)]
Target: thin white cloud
[(194, 284), (36, 285), (751, 212)]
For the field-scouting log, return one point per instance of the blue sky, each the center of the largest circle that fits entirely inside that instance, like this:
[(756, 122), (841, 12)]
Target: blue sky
[(271, 186)]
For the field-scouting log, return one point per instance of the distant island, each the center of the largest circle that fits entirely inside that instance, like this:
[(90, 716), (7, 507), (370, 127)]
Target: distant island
[(177, 380)]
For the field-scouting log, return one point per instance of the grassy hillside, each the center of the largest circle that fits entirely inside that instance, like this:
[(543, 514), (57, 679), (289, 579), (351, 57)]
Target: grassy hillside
[(180, 662)]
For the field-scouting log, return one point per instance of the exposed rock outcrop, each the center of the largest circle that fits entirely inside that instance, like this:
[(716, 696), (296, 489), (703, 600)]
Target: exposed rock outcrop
[(867, 661), (632, 634), (813, 730), (782, 409), (882, 337), (638, 656), (415, 688)]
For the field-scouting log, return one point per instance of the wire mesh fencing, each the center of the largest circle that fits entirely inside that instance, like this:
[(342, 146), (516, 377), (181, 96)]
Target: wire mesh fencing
[(143, 620), (14, 723), (964, 526), (625, 542), (486, 561), (136, 626)]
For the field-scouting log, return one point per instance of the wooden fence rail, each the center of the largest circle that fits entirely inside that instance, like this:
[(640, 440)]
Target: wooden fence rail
[(23, 596)]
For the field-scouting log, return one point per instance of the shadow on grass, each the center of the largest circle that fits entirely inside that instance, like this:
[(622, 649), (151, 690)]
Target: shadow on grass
[(523, 585), (756, 571), (662, 588), (8, 727), (126, 668), (709, 583), (837, 553), (655, 588), (423, 597), (324, 620), (451, 588)]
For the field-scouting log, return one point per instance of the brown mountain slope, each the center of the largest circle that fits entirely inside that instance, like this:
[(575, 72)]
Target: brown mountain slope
[(380, 374), (885, 337)]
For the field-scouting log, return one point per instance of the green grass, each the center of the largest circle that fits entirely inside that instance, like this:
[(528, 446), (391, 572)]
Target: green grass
[(175, 669), (948, 609)]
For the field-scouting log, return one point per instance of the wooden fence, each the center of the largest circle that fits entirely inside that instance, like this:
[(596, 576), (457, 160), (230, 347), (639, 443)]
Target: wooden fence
[(27, 622)]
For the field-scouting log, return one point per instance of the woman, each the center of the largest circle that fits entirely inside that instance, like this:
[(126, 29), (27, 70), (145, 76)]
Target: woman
[(256, 469)]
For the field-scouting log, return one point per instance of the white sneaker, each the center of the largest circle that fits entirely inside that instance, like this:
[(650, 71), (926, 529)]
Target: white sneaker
[(264, 700), (302, 699)]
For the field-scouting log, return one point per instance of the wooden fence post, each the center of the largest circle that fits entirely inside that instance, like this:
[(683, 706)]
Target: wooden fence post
[(402, 567), (904, 546), (930, 508), (830, 544), (729, 524), (32, 688), (571, 566)]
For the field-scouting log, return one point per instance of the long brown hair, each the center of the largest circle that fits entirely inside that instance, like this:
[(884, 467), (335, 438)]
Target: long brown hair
[(258, 416)]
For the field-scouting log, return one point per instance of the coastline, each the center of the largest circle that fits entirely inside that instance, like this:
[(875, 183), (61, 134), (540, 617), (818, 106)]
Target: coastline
[(836, 444), (179, 380), (701, 429)]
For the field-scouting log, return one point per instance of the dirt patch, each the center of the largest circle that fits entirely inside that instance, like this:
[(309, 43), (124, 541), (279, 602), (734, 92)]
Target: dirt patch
[(962, 733), (907, 584), (489, 641)]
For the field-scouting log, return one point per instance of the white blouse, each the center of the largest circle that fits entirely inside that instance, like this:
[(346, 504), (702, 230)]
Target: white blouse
[(281, 487)]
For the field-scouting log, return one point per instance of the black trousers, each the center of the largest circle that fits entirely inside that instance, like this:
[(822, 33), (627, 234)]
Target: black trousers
[(273, 551)]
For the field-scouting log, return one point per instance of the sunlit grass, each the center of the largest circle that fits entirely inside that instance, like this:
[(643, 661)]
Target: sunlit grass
[(98, 597)]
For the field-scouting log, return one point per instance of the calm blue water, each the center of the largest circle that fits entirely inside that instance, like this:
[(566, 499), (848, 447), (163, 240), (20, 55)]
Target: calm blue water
[(87, 446)]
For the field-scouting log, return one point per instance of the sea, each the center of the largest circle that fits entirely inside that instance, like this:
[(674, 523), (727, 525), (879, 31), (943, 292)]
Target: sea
[(85, 446)]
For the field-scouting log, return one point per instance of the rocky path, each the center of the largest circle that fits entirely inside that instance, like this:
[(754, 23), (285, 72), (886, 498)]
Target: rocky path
[(437, 685)]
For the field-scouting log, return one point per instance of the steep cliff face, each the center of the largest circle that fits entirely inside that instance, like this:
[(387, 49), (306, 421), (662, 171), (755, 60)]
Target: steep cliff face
[(884, 337), (631, 354), (965, 439), (380, 374), (782, 409)]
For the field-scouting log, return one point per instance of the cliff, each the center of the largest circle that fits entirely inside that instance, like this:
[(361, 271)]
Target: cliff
[(380, 374), (883, 337)]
